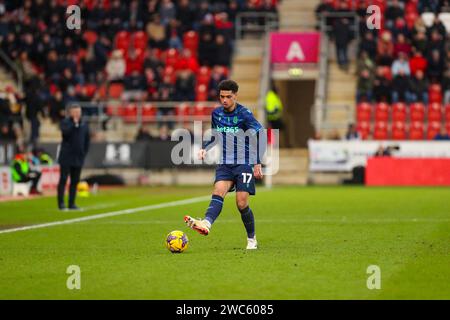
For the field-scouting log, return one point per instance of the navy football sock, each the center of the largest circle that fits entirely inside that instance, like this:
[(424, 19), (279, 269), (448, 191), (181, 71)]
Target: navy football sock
[(249, 221), (214, 209)]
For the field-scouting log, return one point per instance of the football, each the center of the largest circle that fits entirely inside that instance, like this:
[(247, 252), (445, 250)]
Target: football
[(177, 241)]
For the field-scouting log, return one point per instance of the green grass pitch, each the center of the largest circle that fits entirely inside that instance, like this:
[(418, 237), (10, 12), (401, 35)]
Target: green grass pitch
[(314, 243)]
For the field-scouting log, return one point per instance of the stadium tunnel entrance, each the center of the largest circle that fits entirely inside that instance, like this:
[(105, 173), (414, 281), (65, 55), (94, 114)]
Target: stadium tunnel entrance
[(297, 97)]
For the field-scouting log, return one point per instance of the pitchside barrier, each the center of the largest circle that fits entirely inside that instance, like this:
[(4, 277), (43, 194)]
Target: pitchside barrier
[(408, 162)]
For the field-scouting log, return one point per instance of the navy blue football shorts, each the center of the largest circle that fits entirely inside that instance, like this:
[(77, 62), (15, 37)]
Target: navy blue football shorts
[(240, 174)]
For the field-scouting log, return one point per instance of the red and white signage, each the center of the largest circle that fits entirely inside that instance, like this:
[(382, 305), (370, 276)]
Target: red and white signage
[(295, 47), (5, 181)]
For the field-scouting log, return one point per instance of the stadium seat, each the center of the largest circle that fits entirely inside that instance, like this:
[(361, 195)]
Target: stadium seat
[(90, 37), (399, 112), (122, 40), (447, 127), (445, 18), (398, 131), (411, 18), (435, 93), (416, 131), (200, 110), (417, 111), (201, 93), (434, 127), (190, 41), (140, 40), (115, 90), (130, 112), (171, 57), (203, 75), (148, 112), (170, 71), (363, 128), (434, 112), (381, 112), (380, 131), (183, 110), (90, 88), (363, 112)]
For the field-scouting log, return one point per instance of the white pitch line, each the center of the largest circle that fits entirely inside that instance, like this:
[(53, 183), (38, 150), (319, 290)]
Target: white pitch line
[(109, 214)]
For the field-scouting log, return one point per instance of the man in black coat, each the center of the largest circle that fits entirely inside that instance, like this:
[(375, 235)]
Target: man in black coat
[(74, 147)]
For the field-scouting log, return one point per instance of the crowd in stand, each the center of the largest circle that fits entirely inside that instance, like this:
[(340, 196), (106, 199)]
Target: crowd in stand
[(406, 61), (153, 50)]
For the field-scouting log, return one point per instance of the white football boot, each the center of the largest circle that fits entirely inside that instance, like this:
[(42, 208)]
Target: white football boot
[(199, 225), (252, 244)]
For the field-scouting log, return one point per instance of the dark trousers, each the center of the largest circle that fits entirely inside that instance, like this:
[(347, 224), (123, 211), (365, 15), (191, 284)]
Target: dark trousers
[(34, 177), (65, 172)]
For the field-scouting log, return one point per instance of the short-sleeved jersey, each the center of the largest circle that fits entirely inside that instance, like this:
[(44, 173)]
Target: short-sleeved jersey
[(236, 149)]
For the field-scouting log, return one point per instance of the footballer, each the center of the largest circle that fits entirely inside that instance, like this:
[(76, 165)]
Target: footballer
[(227, 121)]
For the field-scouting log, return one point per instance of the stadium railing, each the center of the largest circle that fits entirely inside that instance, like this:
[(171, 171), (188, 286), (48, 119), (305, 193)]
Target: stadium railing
[(14, 68), (255, 23)]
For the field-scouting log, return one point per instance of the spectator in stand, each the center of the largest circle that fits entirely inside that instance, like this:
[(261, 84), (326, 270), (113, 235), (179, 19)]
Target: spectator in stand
[(186, 15), (369, 45), (428, 6), (393, 11), (381, 87), (224, 26), (135, 85), (419, 88), (365, 86), (156, 33), (401, 46), (401, 64), (401, 86), (352, 133), (385, 49), (175, 41), (6, 133), (446, 86), (417, 62), (420, 41), (57, 107), (223, 52), (206, 50), (436, 42), (216, 77), (185, 86), (116, 66), (152, 61), (342, 38), (442, 135), (167, 11), (166, 89), (436, 66), (400, 27), (152, 80), (365, 62), (438, 27), (143, 135), (324, 7)]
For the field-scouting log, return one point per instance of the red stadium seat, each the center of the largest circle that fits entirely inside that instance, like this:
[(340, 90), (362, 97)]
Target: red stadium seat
[(416, 131), (115, 90), (90, 88), (398, 130), (380, 132), (435, 93), (399, 112), (417, 110), (381, 112), (148, 112), (183, 110), (90, 37), (434, 112), (364, 129), (200, 110), (122, 40), (447, 127), (363, 112), (190, 41), (201, 93), (203, 75), (130, 112), (140, 40), (171, 57), (170, 72), (433, 129)]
